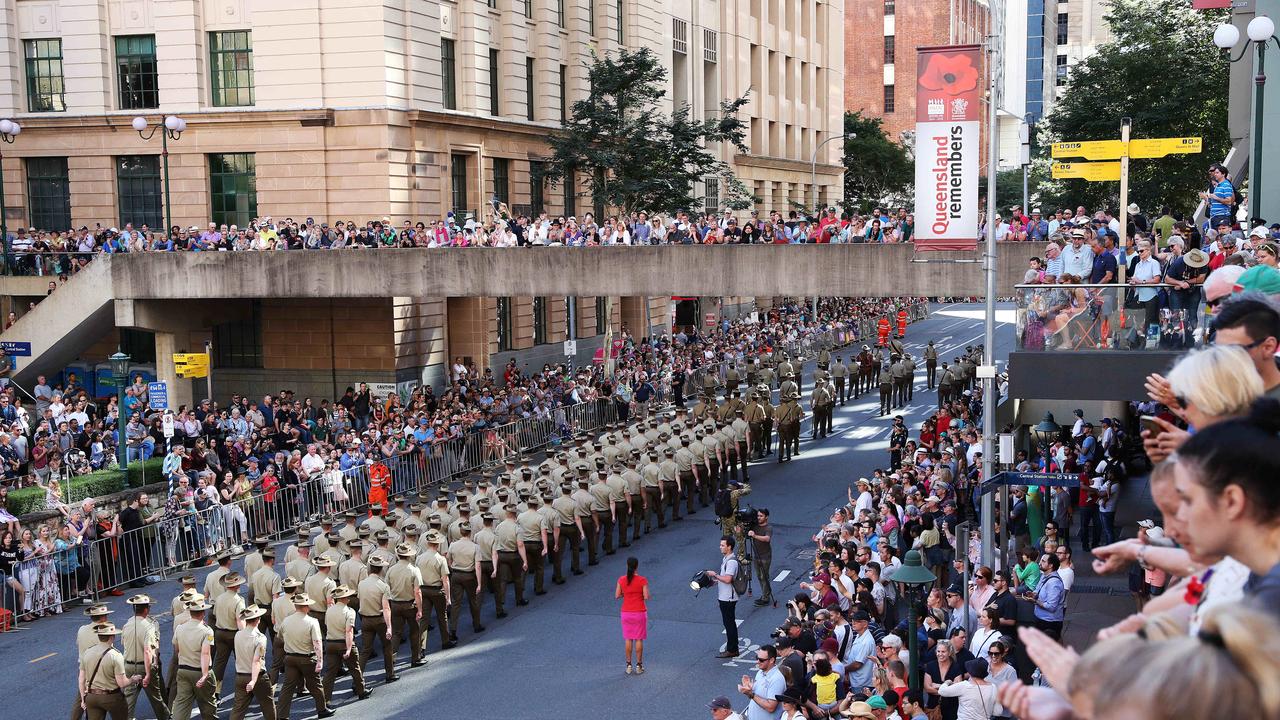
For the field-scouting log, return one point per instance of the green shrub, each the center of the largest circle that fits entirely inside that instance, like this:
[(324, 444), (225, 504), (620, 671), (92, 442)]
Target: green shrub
[(94, 484)]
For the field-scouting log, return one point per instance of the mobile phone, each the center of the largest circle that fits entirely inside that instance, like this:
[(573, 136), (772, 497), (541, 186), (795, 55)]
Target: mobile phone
[(1150, 424)]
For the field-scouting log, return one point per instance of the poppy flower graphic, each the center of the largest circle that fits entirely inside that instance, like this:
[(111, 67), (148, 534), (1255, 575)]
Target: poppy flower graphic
[(951, 74)]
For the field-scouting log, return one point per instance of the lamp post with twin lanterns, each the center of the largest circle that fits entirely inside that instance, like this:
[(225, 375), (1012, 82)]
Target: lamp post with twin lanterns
[(173, 127), (1261, 30), (915, 576), (120, 373), (8, 131)]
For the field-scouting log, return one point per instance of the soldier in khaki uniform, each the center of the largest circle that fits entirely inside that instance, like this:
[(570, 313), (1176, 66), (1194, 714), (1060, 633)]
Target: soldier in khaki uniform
[(486, 541), (340, 644), (264, 585), (512, 560), (194, 681), (788, 418), (434, 569), (602, 509), (213, 586), (671, 485), (226, 622), (252, 682), (945, 383), (635, 495), (534, 532), (909, 368), (886, 390), (281, 608), (754, 416), (141, 638), (303, 658), (566, 533), (930, 364), (740, 433), (405, 596), (820, 404), (87, 638), (464, 579), (102, 677), (585, 516), (375, 618), (253, 561), (300, 567), (319, 587), (839, 374), (353, 569)]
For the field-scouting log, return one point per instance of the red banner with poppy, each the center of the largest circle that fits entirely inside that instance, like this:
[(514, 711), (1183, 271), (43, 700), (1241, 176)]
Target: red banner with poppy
[(948, 143)]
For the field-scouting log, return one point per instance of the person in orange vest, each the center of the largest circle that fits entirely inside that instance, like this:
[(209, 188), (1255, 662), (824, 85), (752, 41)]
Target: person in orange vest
[(902, 323), (882, 330), (379, 485)]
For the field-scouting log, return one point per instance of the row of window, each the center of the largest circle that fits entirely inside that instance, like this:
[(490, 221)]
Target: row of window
[(233, 192), (449, 71), (542, 322), (137, 74)]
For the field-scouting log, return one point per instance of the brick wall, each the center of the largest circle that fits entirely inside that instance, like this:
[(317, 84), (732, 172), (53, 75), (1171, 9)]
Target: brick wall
[(299, 335)]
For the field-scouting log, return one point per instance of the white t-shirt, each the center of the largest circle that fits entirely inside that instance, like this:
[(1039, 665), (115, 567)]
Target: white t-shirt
[(724, 590), (1068, 576)]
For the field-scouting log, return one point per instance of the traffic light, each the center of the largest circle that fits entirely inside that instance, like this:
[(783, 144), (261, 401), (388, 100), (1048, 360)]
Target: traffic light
[(191, 365)]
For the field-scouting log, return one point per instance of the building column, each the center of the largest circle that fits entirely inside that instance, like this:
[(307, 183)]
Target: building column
[(421, 336), (181, 391), (467, 322)]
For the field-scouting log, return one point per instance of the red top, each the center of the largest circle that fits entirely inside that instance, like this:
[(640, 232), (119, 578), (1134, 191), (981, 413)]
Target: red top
[(633, 593)]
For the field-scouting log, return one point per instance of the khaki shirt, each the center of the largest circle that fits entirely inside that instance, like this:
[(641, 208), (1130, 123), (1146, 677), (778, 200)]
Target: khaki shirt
[(582, 502), (433, 568), (601, 496), (531, 524), (139, 634), (446, 516), (281, 608), (711, 445), (839, 370), (375, 523), (351, 572), (188, 639), (300, 569), (320, 542), (634, 481), (617, 488), (250, 643), (670, 471), (290, 554), (176, 606), (337, 619), (111, 665), (226, 611), (455, 530), (403, 578), (252, 563), (740, 429), (301, 633), (507, 536), (385, 553), (485, 539), (264, 585), (462, 556), (213, 584), (86, 639), (370, 593), (349, 533), (565, 508), (651, 475), (319, 586)]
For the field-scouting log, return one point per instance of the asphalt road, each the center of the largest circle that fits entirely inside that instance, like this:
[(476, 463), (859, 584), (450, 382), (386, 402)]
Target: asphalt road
[(562, 655)]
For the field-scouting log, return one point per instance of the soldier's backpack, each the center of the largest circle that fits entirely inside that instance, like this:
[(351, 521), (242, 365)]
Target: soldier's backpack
[(724, 503)]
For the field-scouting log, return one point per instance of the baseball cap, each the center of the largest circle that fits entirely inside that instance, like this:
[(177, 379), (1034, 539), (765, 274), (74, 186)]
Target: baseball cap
[(720, 703), (875, 702), (1259, 278)]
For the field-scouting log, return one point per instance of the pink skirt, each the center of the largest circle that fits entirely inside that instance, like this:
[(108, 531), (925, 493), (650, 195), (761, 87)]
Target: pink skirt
[(635, 625)]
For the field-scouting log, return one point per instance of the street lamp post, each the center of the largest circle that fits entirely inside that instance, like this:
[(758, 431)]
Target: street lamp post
[(120, 373), (1260, 30), (915, 576), (813, 166), (173, 127), (8, 131)]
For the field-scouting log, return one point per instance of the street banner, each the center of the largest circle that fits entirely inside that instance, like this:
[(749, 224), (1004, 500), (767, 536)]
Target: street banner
[(948, 143)]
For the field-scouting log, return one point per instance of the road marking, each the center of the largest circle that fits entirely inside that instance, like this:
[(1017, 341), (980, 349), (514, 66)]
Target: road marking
[(782, 576), (42, 657)]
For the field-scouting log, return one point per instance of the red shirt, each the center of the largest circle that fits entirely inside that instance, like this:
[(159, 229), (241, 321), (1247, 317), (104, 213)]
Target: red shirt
[(633, 593)]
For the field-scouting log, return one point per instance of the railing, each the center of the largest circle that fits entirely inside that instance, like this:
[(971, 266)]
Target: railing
[(46, 263), (1108, 317)]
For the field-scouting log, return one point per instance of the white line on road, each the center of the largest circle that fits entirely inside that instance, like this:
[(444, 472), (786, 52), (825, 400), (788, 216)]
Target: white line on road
[(782, 576)]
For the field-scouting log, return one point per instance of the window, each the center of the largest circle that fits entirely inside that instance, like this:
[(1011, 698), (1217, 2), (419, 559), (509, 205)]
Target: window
[(571, 194), (139, 345), (504, 323), (890, 7), (1061, 71), (539, 321), (238, 344), (711, 194), (231, 68), (449, 70), (620, 21), (49, 192), (602, 315), (888, 98), (136, 72), (233, 188), (138, 185), (679, 36), (493, 4), (44, 75), (710, 45), (564, 94), (537, 171), (530, 102), (570, 317), (560, 13), (1062, 28), (591, 17), (501, 179), (528, 8), (888, 49), (493, 83), (458, 181)]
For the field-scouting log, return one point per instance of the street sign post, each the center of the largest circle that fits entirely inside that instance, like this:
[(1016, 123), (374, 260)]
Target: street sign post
[(570, 348), (1090, 171), (1160, 147), (191, 365), (158, 395), (166, 424), (1089, 149)]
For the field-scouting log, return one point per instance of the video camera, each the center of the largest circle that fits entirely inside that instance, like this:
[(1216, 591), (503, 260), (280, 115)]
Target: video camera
[(746, 518)]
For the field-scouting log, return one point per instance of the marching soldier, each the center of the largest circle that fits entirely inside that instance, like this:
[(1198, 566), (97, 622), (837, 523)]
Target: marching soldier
[(824, 358), (789, 386), (930, 363), (886, 390), (178, 605), (252, 682), (839, 373), (944, 385), (742, 442), (534, 535), (434, 570), (788, 417), (909, 366), (226, 622), (303, 658), (486, 541), (374, 597), (786, 371), (102, 677), (406, 602), (264, 585), (141, 637), (353, 569), (820, 404), (766, 430), (253, 561), (300, 568), (194, 682), (619, 505), (281, 608), (291, 552), (731, 377), (670, 483), (715, 458), (213, 586), (512, 561), (567, 532), (340, 644), (464, 575), (687, 467), (320, 587), (602, 509), (635, 498), (585, 517), (898, 375), (866, 370), (86, 639)]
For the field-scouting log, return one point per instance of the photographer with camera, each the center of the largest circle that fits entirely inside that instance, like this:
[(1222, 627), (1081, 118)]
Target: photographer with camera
[(727, 595), (761, 536)]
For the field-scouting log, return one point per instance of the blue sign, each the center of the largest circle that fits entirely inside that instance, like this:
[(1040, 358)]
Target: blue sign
[(1030, 478), (13, 349), (158, 396)]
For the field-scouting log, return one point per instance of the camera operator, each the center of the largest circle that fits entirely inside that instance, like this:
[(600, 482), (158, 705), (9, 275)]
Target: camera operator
[(762, 550), (800, 637), (727, 596)]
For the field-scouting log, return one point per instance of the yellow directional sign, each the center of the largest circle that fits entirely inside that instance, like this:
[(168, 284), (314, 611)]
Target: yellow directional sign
[(1159, 147), (1092, 172), (191, 359), (1089, 149)]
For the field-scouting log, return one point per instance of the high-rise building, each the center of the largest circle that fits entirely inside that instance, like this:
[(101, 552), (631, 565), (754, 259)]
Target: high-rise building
[(397, 108)]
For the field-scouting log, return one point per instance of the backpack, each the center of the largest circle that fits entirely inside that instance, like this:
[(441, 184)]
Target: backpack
[(724, 503), (741, 578), (1236, 197)]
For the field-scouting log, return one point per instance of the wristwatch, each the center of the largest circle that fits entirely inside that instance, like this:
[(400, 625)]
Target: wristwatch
[(1142, 557)]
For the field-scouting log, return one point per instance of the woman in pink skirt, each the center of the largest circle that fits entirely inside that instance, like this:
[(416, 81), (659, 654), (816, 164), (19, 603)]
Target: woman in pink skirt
[(634, 591)]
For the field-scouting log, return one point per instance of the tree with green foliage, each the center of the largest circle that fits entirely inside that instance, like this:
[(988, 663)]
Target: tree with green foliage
[(877, 169), (1163, 71), (634, 157)]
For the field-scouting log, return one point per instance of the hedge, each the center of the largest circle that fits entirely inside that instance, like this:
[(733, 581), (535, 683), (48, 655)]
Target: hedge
[(94, 484)]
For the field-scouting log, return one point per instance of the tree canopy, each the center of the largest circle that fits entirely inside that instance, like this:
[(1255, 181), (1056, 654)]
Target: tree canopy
[(877, 169)]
